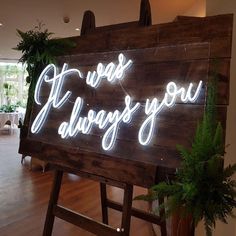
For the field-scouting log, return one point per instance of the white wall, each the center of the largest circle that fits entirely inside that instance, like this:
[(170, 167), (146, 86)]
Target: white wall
[(197, 9), (216, 7), (23, 15)]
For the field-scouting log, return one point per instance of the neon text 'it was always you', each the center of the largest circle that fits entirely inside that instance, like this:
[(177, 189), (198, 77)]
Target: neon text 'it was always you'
[(109, 121)]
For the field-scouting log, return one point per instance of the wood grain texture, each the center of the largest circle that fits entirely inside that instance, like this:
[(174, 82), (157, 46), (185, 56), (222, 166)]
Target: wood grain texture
[(24, 196), (213, 29), (183, 51)]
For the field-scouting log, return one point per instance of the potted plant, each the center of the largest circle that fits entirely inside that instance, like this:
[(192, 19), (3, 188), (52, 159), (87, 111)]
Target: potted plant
[(39, 50), (203, 188)]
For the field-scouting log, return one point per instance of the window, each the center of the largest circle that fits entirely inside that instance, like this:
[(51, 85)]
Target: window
[(13, 87)]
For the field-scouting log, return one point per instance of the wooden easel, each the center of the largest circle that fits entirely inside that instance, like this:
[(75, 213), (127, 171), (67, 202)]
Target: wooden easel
[(182, 49), (84, 222)]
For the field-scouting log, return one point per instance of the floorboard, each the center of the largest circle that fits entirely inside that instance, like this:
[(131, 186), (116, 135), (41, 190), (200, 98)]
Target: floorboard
[(24, 195)]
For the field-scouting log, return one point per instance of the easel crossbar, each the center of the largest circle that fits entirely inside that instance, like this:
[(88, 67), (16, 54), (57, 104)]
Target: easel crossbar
[(150, 217), (85, 222)]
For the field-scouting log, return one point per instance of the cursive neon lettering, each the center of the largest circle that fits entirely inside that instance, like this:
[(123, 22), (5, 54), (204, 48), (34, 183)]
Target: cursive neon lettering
[(153, 108), (54, 99), (102, 119), (110, 121), (111, 72)]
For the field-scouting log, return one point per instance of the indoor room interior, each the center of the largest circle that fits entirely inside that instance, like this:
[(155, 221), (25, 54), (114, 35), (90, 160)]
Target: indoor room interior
[(26, 181)]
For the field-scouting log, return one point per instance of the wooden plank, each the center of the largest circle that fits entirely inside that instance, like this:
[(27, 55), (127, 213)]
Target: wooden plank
[(166, 134), (183, 52), (157, 66), (48, 225), (163, 64), (187, 18), (140, 168), (85, 222), (105, 28), (140, 89), (128, 171), (92, 176), (155, 219), (162, 217), (126, 209), (179, 51), (103, 192), (213, 28)]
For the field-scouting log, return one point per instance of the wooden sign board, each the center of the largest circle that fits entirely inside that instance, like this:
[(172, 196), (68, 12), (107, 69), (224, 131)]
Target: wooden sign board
[(151, 66)]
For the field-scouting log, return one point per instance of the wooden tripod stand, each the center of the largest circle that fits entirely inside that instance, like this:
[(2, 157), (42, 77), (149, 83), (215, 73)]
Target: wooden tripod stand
[(103, 229)]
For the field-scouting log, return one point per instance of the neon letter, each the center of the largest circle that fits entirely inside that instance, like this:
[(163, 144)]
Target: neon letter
[(54, 96), (152, 109)]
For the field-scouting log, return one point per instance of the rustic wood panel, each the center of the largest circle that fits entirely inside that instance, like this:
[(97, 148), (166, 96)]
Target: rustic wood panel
[(182, 51), (168, 133), (216, 29), (148, 76), (163, 64), (191, 51), (101, 165)]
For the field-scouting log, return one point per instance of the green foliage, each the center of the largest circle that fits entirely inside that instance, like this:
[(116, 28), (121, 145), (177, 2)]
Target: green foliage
[(9, 70), (8, 108), (203, 187), (39, 50)]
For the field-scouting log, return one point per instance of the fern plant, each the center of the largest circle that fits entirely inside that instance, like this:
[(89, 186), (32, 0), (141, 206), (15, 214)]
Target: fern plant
[(203, 188), (39, 50)]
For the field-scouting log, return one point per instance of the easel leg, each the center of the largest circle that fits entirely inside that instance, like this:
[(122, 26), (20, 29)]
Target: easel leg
[(52, 202), (103, 191), (163, 224), (126, 209), (127, 206)]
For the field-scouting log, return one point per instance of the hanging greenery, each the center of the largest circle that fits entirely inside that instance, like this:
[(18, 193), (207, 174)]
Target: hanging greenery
[(203, 188), (39, 50)]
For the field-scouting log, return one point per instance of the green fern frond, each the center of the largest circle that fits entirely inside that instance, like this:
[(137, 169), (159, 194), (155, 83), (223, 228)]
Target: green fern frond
[(38, 50), (203, 188)]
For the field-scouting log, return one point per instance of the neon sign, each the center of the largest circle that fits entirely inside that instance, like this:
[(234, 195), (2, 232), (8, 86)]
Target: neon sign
[(110, 121)]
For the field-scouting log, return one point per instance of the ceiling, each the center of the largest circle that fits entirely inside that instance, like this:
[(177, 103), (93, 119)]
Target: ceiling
[(26, 14)]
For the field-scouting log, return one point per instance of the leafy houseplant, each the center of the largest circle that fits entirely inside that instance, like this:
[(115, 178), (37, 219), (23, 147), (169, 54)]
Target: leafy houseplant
[(39, 50), (203, 188)]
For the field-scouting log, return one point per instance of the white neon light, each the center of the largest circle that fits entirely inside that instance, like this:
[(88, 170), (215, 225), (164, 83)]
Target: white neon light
[(111, 120), (154, 107), (102, 119), (111, 72), (54, 99)]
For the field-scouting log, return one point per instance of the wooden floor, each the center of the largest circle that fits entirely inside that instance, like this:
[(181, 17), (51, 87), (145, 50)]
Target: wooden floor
[(24, 195)]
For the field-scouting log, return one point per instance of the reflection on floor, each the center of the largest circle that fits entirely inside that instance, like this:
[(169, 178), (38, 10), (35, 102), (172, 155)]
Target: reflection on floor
[(24, 195)]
